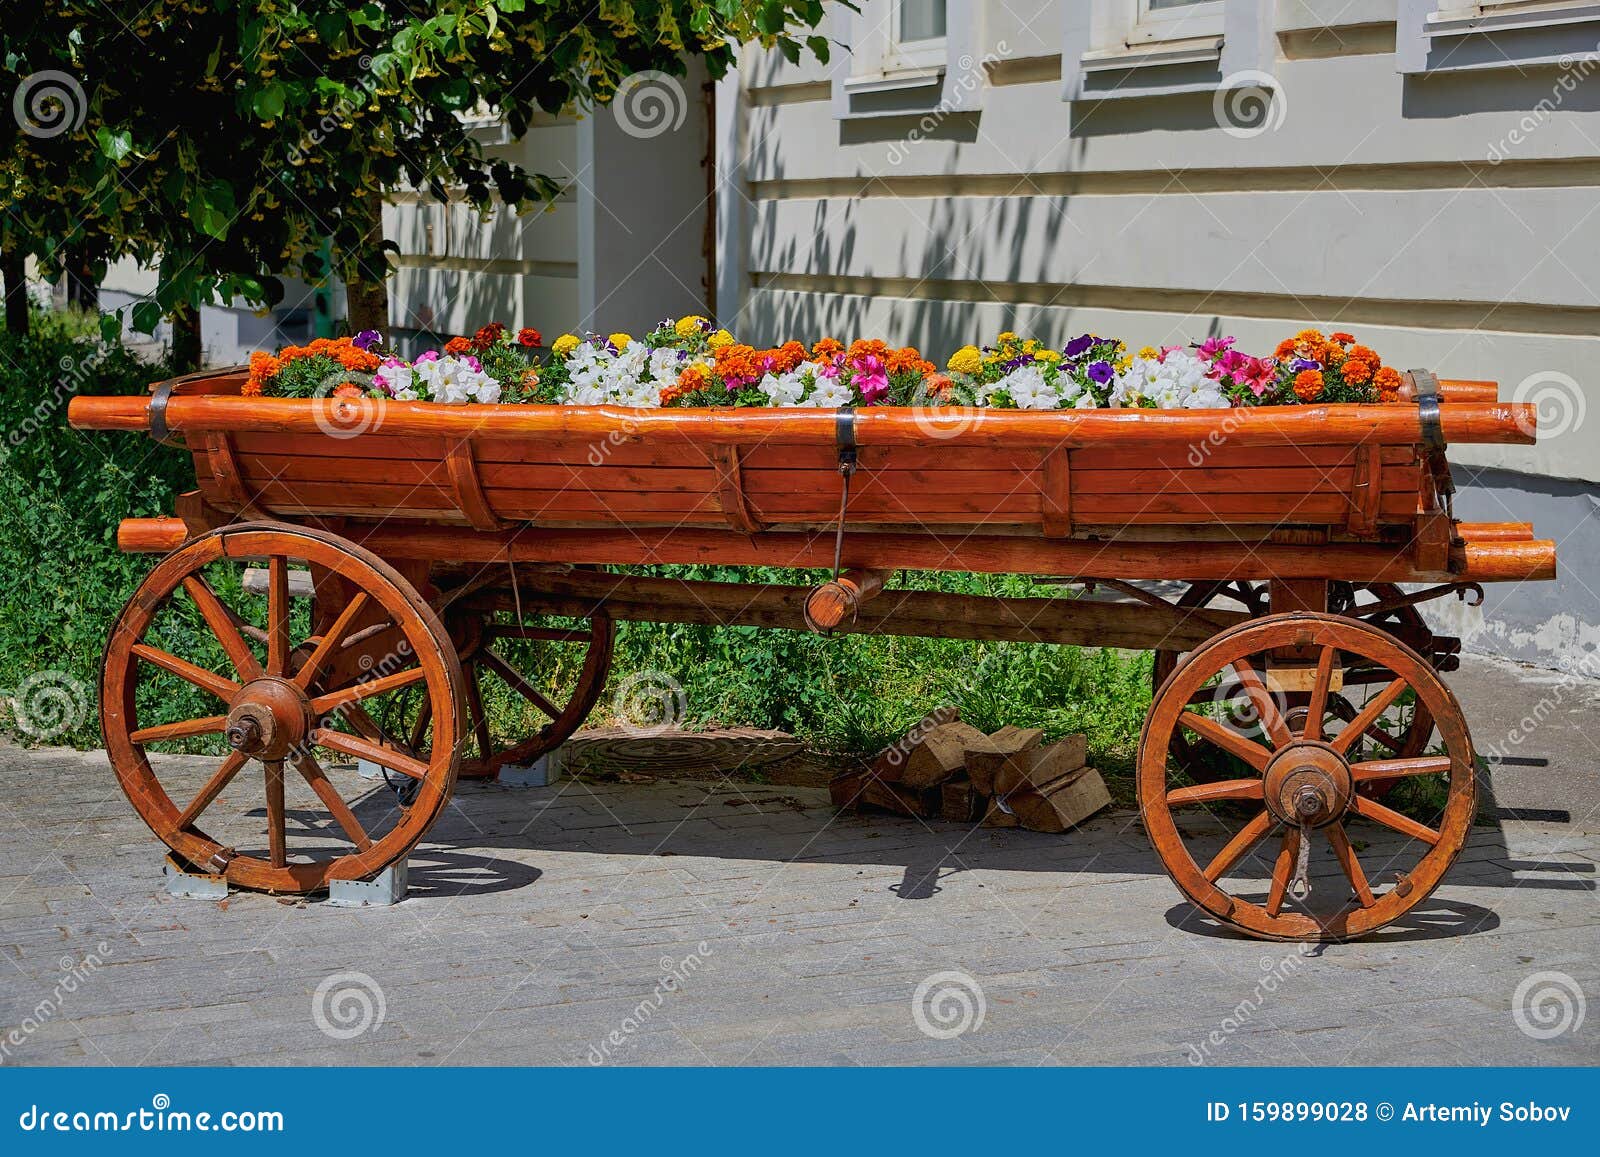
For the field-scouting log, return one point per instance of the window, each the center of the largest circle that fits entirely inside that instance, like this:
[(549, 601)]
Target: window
[(922, 20), (1175, 20), (1469, 35), (1132, 49)]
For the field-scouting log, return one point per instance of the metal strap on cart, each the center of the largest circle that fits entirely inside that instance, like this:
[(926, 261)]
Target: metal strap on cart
[(1426, 386)]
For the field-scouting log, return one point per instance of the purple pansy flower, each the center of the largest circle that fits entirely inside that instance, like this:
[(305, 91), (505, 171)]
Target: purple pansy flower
[(1079, 346), (366, 339), (1100, 372)]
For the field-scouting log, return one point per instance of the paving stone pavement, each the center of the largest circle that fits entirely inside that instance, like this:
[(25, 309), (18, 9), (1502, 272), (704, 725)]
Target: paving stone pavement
[(682, 922)]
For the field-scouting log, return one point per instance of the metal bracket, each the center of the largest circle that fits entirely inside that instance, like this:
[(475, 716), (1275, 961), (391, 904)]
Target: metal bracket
[(161, 394), (191, 884), (1426, 386), (844, 436), (385, 889)]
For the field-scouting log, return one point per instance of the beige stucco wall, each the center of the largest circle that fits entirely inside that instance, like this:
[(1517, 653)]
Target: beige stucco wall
[(1371, 202)]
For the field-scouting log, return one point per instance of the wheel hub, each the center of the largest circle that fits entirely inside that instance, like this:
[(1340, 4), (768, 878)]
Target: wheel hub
[(1308, 784), (267, 718)]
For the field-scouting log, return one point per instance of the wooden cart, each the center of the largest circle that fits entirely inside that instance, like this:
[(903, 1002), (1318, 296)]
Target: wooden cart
[(1296, 681)]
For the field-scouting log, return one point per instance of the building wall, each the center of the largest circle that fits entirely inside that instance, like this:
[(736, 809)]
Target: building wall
[(1329, 161)]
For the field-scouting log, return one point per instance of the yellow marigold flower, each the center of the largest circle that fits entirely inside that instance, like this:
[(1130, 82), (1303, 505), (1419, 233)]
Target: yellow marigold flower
[(1121, 364), (1051, 356), (719, 339), (1149, 351), (621, 340), (689, 326), (966, 360), (1029, 346), (1006, 338), (564, 345)]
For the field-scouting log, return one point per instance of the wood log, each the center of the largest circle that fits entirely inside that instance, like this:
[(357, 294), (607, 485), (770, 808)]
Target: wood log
[(890, 764), (959, 802), (845, 788), (839, 600), (985, 759), (940, 755), (905, 801), (1499, 422), (1062, 804), (1040, 765), (997, 814)]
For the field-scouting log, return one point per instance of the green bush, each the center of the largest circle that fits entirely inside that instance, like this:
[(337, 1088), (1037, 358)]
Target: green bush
[(62, 582)]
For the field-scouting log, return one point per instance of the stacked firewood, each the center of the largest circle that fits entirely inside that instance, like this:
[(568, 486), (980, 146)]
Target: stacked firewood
[(950, 770)]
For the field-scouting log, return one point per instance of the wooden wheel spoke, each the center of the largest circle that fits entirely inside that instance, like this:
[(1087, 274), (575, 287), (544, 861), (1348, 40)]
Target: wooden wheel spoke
[(1233, 851), (1283, 870), (1317, 707), (1206, 792), (1351, 865), (420, 728), (333, 700), (224, 775), (207, 725), (278, 615), (223, 625), (1389, 818), (1395, 768), (219, 685), (1272, 721), (1226, 738), (1221, 693), (1368, 715), (514, 679), (378, 753), (480, 722), (277, 837), (334, 636), (311, 771)]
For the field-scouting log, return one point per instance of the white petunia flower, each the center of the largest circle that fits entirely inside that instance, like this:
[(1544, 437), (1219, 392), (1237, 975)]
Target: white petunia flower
[(782, 389)]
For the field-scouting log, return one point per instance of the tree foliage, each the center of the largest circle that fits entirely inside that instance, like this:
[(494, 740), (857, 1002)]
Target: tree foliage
[(232, 138)]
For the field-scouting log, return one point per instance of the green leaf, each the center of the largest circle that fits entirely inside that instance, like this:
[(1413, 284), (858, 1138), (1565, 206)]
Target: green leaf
[(111, 327), (114, 146), (268, 102), (819, 47), (146, 316)]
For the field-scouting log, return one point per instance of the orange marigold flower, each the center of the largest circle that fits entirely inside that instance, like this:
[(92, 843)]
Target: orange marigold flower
[(739, 365), (1333, 355), (786, 357), (348, 390), (826, 348), (1389, 396), (488, 335), (1366, 354), (457, 345), (359, 360), (937, 385), (262, 366), (1387, 379), (527, 336), (1342, 338), (1308, 385), (1357, 372), (861, 348), (1310, 336), (1285, 348), (691, 379), (907, 358)]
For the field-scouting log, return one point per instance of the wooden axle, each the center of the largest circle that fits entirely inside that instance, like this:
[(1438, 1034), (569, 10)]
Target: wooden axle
[(935, 614), (840, 599)]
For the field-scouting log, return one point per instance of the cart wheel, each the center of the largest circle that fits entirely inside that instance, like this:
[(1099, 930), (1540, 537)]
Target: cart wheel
[(1304, 785), (254, 696), (557, 669), (1407, 734)]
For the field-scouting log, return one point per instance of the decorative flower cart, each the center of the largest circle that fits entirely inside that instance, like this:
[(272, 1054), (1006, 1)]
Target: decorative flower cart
[(365, 566)]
